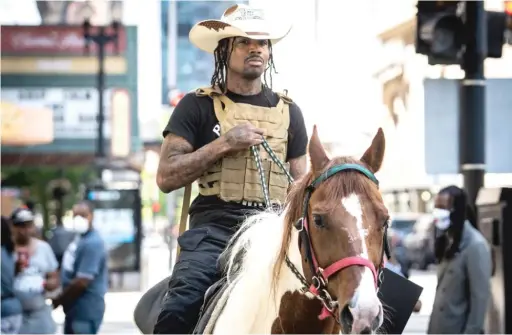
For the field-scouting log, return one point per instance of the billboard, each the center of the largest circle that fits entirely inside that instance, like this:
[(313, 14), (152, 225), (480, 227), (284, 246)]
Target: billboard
[(442, 124), (75, 110)]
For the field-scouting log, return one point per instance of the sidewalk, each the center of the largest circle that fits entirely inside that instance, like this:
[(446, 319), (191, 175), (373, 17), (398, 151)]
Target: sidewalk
[(418, 323), (119, 309), (120, 305), (118, 313)]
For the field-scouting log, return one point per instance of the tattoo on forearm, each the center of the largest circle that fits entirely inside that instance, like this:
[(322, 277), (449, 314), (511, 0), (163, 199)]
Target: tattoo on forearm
[(298, 167), (180, 165)]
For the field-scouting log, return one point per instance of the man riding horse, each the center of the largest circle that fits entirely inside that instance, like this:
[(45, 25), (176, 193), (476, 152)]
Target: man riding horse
[(209, 138)]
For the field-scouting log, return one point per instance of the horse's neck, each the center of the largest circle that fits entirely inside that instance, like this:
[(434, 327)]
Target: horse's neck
[(287, 281), (253, 305)]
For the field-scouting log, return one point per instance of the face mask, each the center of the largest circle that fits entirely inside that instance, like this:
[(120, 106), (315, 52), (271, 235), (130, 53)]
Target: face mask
[(442, 218), (80, 224)]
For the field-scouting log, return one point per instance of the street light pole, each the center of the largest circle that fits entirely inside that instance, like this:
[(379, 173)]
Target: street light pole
[(100, 39), (472, 101)]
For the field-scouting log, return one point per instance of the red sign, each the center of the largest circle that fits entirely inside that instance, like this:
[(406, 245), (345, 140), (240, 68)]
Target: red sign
[(508, 7), (26, 40)]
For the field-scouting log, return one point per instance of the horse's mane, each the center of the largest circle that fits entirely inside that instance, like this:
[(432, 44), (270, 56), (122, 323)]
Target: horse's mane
[(271, 231)]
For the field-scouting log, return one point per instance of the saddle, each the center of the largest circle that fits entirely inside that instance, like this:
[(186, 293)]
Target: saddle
[(212, 306)]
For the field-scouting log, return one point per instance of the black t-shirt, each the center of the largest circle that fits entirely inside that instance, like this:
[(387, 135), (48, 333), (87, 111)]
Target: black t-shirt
[(194, 119)]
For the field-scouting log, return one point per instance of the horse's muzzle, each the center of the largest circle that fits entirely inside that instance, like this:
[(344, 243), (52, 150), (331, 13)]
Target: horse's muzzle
[(354, 326)]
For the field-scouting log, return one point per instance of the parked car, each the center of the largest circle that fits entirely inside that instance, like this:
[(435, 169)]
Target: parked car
[(420, 243), (402, 224), (413, 243)]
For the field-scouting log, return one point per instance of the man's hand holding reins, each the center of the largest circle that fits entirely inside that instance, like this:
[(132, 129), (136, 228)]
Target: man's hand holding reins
[(243, 136), (181, 165)]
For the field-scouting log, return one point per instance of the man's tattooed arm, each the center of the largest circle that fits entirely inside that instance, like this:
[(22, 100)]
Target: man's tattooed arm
[(298, 166), (181, 165)]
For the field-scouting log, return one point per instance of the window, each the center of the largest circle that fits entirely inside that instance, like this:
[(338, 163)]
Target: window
[(194, 67)]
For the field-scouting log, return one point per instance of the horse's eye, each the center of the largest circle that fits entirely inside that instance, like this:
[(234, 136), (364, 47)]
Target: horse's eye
[(319, 222)]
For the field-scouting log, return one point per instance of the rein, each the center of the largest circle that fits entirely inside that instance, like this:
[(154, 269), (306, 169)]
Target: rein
[(320, 278)]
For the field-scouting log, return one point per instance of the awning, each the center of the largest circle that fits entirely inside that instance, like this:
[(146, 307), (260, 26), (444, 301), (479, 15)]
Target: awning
[(405, 31), (23, 126)]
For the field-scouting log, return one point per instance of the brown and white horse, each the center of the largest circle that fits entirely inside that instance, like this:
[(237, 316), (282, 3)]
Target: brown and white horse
[(332, 232)]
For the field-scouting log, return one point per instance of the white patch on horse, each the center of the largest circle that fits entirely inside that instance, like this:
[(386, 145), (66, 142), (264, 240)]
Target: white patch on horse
[(365, 301), (252, 307)]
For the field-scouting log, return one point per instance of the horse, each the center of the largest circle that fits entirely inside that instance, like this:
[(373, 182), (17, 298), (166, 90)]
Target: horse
[(313, 267)]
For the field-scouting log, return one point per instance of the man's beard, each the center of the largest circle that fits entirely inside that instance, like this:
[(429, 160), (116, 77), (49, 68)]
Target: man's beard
[(251, 75)]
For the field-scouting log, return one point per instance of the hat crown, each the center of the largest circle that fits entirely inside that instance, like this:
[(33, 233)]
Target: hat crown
[(237, 13), (22, 215)]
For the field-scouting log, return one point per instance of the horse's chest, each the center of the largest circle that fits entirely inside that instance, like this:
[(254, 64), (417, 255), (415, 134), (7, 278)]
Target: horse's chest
[(299, 315)]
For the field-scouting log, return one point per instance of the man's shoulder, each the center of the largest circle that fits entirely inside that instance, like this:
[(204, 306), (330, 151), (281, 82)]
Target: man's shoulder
[(192, 101), (287, 98), (92, 240), (42, 245)]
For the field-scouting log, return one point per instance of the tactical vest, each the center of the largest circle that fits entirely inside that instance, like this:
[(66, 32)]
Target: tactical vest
[(236, 177)]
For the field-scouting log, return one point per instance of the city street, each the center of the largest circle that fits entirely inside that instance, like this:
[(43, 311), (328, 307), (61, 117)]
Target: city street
[(120, 305)]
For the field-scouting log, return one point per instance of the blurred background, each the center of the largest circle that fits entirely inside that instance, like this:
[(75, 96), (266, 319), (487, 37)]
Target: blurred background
[(88, 86)]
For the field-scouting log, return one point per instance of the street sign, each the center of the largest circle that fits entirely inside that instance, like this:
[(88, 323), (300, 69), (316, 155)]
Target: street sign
[(74, 109), (442, 127)]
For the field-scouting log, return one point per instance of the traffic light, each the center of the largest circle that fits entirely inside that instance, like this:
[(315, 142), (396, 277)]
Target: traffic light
[(441, 31), (496, 29)]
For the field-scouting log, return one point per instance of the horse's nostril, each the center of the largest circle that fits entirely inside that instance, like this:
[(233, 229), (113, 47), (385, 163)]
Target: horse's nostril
[(377, 321), (346, 319), (366, 330)]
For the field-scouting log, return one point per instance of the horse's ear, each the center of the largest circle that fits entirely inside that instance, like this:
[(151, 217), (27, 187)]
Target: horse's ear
[(317, 153), (374, 155)]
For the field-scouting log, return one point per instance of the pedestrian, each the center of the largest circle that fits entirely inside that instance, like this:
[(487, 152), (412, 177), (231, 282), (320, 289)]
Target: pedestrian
[(37, 274), (464, 269), (395, 266), (208, 139), (59, 239), (11, 309), (84, 276)]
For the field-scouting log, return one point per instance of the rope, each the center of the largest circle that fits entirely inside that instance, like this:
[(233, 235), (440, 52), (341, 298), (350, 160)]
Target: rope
[(255, 152), (257, 158)]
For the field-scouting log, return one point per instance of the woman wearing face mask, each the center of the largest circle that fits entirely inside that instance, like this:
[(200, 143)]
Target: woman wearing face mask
[(464, 269)]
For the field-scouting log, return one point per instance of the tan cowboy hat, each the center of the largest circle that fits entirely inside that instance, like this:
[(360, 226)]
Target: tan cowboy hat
[(237, 20)]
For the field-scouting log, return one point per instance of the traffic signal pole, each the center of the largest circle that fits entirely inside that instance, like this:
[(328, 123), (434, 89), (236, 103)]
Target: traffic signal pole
[(472, 101)]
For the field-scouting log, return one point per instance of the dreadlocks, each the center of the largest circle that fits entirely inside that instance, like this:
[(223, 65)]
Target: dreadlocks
[(221, 55), (462, 211)]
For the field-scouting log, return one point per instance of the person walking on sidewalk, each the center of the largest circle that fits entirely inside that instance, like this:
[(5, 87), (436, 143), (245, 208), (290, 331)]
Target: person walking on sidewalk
[(84, 276), (464, 270), (12, 311), (37, 274), (208, 138)]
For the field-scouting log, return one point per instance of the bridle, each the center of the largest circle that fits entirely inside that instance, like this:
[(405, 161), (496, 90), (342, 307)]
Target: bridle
[(320, 276)]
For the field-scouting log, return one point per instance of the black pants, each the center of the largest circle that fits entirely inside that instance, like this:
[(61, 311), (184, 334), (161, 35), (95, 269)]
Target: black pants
[(196, 270)]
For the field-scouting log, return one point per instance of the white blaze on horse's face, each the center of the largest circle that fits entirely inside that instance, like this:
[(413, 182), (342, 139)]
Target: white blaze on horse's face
[(365, 306)]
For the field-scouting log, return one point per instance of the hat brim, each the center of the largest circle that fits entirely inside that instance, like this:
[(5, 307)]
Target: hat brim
[(204, 36)]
